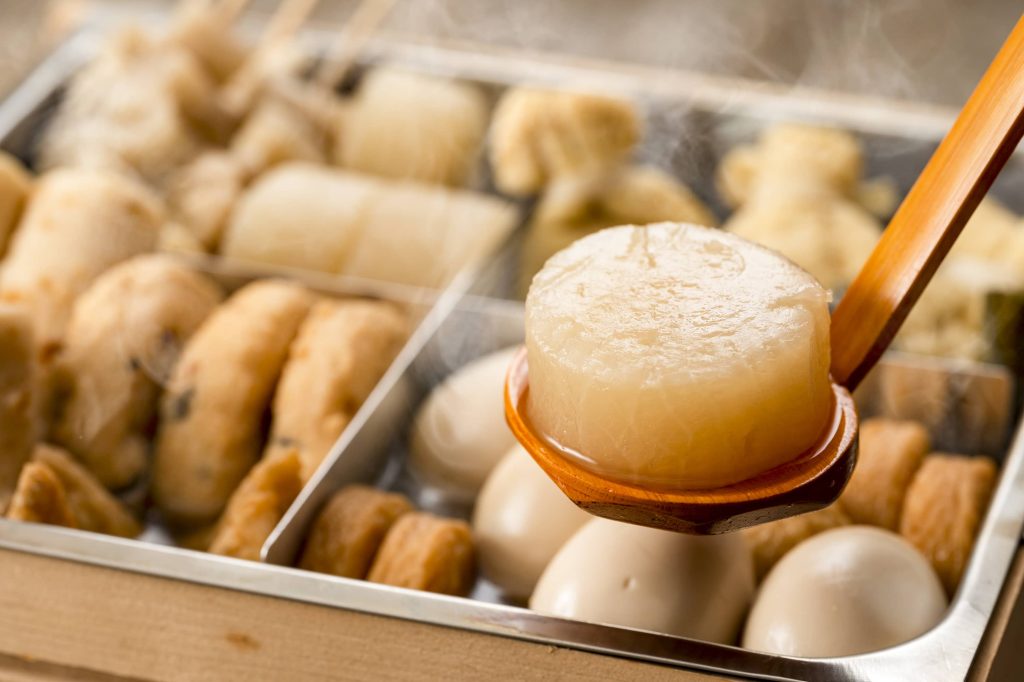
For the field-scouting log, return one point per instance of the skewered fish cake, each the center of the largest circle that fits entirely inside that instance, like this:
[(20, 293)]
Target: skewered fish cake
[(40, 498), (340, 353), (78, 224), (202, 194), (209, 434), (257, 505), (349, 531), (635, 196), (274, 132), (640, 343), (208, 35), (15, 185), (124, 337), (409, 126), (92, 506), (889, 455), (19, 427), (538, 136), (426, 552)]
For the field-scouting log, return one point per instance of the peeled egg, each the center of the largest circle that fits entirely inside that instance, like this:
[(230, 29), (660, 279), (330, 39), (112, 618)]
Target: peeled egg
[(677, 355), (846, 591), (520, 521), (459, 433), (695, 586)]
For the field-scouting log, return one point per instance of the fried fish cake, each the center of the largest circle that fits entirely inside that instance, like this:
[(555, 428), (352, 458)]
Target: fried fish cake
[(426, 552), (349, 530), (210, 417), (769, 542), (125, 335), (342, 349), (19, 427), (40, 498)]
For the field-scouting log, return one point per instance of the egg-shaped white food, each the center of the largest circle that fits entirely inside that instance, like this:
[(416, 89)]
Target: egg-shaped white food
[(846, 591), (695, 586), (678, 355), (520, 521), (459, 433)]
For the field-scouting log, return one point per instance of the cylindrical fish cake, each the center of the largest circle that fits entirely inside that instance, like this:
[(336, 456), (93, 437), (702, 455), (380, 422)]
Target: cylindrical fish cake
[(15, 184), (257, 505), (19, 427), (40, 498), (350, 529), (125, 335), (890, 452), (211, 412), (78, 224), (769, 542), (426, 552), (944, 508), (341, 351), (92, 506)]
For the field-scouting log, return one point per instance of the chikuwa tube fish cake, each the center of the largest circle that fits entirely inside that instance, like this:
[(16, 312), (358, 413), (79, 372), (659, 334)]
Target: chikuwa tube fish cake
[(78, 224), (18, 424), (210, 419), (341, 351), (125, 335)]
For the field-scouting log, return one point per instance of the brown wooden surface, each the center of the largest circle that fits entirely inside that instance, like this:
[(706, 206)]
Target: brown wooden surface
[(73, 621), (931, 216)]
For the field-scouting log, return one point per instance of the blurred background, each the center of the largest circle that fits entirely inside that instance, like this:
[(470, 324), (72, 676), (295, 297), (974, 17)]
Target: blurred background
[(923, 50)]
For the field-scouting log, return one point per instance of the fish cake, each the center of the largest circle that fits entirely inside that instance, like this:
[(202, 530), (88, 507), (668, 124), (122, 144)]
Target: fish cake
[(19, 427), (202, 194), (40, 498), (340, 353), (349, 531), (257, 505), (427, 552), (890, 452), (769, 542), (125, 335), (15, 185), (211, 412), (92, 506)]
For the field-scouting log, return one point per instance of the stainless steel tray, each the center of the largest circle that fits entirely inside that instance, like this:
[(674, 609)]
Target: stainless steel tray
[(705, 114)]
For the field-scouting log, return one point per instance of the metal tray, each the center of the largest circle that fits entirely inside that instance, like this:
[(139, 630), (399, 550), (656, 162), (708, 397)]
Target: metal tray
[(704, 115)]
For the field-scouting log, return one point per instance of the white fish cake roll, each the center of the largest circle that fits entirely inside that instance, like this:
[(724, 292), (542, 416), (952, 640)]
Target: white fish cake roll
[(341, 351), (298, 215), (78, 224), (19, 428), (210, 434), (15, 186), (537, 136), (677, 355), (125, 335), (415, 127)]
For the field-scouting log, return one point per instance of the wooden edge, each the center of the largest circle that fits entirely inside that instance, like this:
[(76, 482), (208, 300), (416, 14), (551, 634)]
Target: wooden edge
[(993, 661), (61, 616)]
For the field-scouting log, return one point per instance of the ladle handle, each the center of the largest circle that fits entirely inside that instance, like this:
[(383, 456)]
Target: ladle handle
[(931, 216)]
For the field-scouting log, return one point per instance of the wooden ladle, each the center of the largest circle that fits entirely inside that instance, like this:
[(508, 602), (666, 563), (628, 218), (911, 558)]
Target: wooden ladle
[(920, 235)]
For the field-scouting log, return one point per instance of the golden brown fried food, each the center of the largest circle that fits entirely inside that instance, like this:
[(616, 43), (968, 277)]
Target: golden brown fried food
[(260, 501), (341, 351), (15, 185), (40, 498), (124, 338), (19, 426), (769, 542), (426, 552), (349, 531), (538, 136), (944, 508), (890, 452), (92, 506), (78, 224), (209, 435)]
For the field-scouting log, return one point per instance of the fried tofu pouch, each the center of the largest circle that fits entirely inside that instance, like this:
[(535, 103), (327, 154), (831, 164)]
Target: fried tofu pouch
[(40, 498), (340, 353), (125, 336), (210, 415), (257, 505), (19, 427), (634, 196), (78, 224), (92, 506), (538, 136), (413, 127), (15, 187)]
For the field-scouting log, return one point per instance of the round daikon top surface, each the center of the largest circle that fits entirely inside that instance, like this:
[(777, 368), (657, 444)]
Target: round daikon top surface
[(676, 355)]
